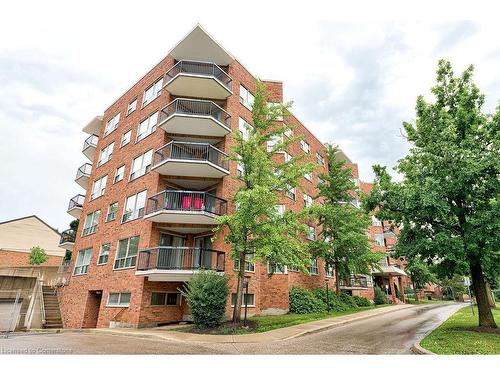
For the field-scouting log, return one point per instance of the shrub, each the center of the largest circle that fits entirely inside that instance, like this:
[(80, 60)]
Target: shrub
[(334, 301), (379, 296), (348, 300), (37, 256), (303, 301), (206, 295), (361, 301)]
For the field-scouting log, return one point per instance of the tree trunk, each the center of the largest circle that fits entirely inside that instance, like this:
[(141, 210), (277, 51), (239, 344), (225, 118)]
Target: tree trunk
[(337, 281), (239, 289), (479, 286), (414, 291)]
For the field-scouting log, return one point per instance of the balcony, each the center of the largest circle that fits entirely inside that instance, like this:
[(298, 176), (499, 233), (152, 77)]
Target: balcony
[(83, 175), (189, 159), (94, 126), (198, 79), (67, 240), (177, 263), (89, 147), (354, 283), (186, 210), (195, 118), (75, 206)]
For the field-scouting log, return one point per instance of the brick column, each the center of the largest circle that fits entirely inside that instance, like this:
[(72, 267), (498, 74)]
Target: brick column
[(393, 291)]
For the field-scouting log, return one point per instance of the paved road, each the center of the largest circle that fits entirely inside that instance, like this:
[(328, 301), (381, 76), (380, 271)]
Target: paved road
[(391, 333)]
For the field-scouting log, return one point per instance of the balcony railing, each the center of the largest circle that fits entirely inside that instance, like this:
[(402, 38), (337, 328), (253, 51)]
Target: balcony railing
[(180, 258), (90, 142), (178, 200), (201, 69), (76, 202), (354, 282), (84, 171), (67, 236), (191, 151), (193, 107)]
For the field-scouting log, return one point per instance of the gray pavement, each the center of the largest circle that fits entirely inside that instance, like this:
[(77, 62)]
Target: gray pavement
[(393, 332)]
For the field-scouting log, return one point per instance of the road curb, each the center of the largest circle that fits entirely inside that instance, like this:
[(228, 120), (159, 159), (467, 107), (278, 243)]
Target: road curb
[(417, 349)]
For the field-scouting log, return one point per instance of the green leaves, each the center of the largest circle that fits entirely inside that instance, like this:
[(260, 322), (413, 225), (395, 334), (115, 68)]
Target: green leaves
[(37, 256)]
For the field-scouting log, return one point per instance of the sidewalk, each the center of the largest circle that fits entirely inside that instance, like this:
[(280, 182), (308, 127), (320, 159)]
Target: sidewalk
[(280, 334)]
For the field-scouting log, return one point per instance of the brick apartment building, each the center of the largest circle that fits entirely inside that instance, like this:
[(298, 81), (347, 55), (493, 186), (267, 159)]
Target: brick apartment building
[(156, 180)]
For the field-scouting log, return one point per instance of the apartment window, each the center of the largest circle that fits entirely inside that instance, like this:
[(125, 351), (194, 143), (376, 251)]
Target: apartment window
[(126, 138), (355, 203), (308, 176), (293, 268), (275, 140), (112, 209), (280, 209), (311, 233), (329, 271), (245, 128), (320, 159), (288, 157), (118, 300), (320, 181), (152, 92), (376, 222), (147, 126), (91, 222), (313, 268), (120, 172), (106, 153), (165, 299), (379, 239), (240, 169), (249, 264), (82, 262), (305, 146), (276, 269), (104, 254), (246, 97), (134, 206), (289, 132), (290, 192), (141, 165), (132, 106), (112, 124), (308, 201), (127, 252), (99, 187), (279, 116), (248, 299)]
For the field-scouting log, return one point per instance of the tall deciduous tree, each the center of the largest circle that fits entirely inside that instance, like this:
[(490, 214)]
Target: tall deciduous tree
[(256, 229), (448, 201), (419, 273), (342, 243)]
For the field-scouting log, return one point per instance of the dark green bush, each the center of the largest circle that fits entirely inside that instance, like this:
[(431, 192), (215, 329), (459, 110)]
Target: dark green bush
[(361, 301), (206, 295), (379, 296), (334, 301), (303, 301), (348, 300)]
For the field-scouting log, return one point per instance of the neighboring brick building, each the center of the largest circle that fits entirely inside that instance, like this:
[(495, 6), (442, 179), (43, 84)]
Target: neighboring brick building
[(156, 180)]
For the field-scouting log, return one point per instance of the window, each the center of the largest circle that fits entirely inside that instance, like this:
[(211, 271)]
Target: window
[(289, 132), (112, 124), (141, 165), (288, 157), (280, 209), (82, 262), (245, 128), (246, 97), (376, 222), (308, 201), (152, 92), (308, 176), (320, 181), (379, 239), (99, 187), (355, 203), (276, 269), (106, 153), (104, 254), (311, 233), (240, 169), (147, 126), (329, 271), (120, 172), (275, 140), (313, 268), (132, 106), (279, 116), (290, 192), (112, 209), (118, 300), (165, 299), (320, 159), (126, 138), (304, 146), (134, 206), (248, 299), (249, 264), (91, 222), (127, 252)]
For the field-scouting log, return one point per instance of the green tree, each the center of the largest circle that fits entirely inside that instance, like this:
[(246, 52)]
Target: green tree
[(453, 286), (448, 200), (342, 243), (419, 273), (256, 230), (37, 256)]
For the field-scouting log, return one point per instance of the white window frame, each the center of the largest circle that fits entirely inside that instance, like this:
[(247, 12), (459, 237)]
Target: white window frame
[(308, 201), (314, 268), (112, 124), (82, 262), (271, 144), (249, 264), (290, 192), (119, 303), (110, 212), (138, 206), (118, 174), (246, 97), (311, 233), (148, 126), (132, 106), (178, 296), (289, 133), (244, 297), (126, 138), (320, 159), (376, 222), (308, 176), (106, 154), (155, 92), (244, 128), (144, 167), (305, 146), (379, 239), (91, 222), (101, 254), (133, 258), (281, 270), (280, 209), (99, 187)]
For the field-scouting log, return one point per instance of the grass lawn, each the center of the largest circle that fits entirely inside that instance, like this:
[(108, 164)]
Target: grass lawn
[(459, 335), (267, 323)]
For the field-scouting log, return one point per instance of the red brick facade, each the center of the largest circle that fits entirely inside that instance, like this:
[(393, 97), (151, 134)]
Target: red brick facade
[(21, 259)]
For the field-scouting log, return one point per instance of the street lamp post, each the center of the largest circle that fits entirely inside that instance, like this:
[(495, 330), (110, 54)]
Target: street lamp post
[(245, 298), (327, 302)]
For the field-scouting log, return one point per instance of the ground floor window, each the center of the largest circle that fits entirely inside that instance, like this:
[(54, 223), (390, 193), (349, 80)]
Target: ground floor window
[(121, 299), (165, 299), (247, 299)]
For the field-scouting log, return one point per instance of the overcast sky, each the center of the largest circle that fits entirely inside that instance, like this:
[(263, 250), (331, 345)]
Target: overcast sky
[(353, 80)]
